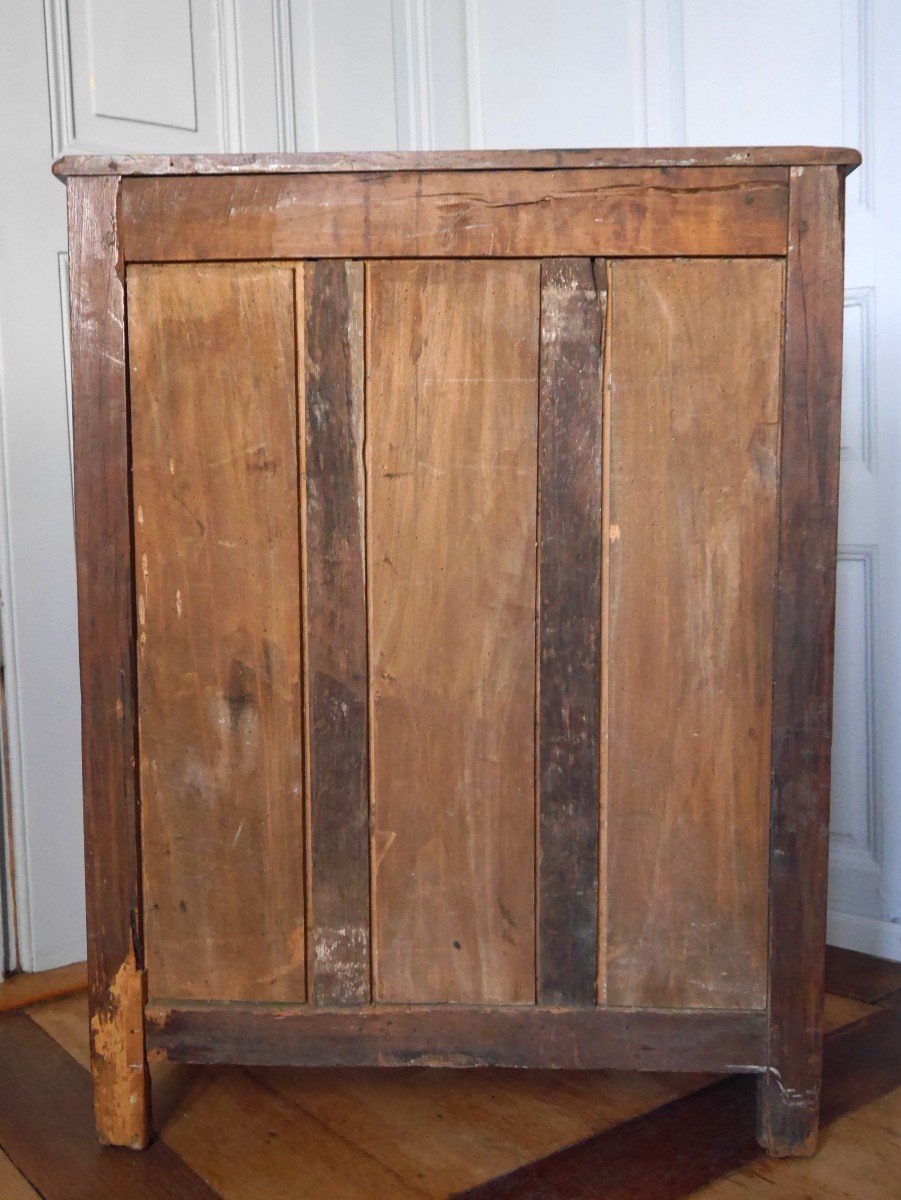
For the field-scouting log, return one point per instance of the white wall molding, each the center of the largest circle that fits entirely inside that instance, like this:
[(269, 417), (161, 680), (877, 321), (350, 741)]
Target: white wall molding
[(304, 90), (228, 77), (864, 557), (857, 94), (664, 73), (866, 934), (474, 99), (215, 53), (59, 72), (285, 99), (16, 810), (62, 266), (860, 444), (855, 842), (413, 75)]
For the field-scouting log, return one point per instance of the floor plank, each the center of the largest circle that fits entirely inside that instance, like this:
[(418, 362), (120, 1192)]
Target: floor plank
[(251, 1144), (67, 1023), (443, 1130), (47, 1129), (242, 1137), (14, 1185), (861, 976), (399, 1133), (858, 1159), (24, 988), (674, 1151), (437, 1131)]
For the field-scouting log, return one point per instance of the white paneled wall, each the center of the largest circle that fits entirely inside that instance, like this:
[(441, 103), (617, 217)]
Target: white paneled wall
[(245, 75)]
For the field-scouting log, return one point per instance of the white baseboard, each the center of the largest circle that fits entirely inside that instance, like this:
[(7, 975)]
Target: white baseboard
[(866, 934)]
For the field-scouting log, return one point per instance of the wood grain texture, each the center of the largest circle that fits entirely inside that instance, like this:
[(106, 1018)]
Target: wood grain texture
[(46, 1129), (678, 1148), (456, 1035), (14, 1185), (569, 570), (24, 988), (804, 641), (694, 409), (452, 160), (444, 1130), (431, 214), (214, 431), (107, 655), (330, 311), (452, 478)]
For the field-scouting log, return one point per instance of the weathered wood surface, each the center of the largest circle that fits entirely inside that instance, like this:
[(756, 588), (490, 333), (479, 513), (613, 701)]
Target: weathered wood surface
[(569, 587), (452, 451), (804, 638), (105, 630), (673, 1151), (693, 390), (46, 1128), (330, 314), (452, 160), (214, 436), (452, 1035), (502, 214)]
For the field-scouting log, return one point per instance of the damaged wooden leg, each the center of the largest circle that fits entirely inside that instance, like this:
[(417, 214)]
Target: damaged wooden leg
[(788, 1108), (118, 1061), (106, 623)]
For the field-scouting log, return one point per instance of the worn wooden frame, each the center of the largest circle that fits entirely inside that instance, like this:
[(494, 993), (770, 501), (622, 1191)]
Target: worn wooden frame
[(791, 202)]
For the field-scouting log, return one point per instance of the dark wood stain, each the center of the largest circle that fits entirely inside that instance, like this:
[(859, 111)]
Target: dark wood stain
[(569, 608), (455, 1035), (331, 296)]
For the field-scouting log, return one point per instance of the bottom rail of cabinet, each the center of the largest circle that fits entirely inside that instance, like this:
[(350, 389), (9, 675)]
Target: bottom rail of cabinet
[(458, 1036)]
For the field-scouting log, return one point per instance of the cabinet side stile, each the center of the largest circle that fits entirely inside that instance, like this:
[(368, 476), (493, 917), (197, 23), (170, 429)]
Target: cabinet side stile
[(107, 622), (803, 660)]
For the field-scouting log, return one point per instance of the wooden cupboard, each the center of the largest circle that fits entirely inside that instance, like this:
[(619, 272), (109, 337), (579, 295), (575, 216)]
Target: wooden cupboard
[(456, 545)]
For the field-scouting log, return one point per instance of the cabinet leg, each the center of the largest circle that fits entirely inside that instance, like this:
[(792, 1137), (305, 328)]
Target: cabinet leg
[(788, 1113), (118, 1061)]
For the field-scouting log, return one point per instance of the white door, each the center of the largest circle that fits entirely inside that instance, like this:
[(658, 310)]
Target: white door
[(215, 75)]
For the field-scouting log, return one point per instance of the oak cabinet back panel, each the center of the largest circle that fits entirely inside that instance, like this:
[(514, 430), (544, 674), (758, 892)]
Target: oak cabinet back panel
[(456, 548), (463, 391)]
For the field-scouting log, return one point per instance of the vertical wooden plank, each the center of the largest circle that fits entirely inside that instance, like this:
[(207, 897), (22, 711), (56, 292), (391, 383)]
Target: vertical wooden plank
[(805, 629), (569, 588), (452, 416), (106, 639), (331, 314), (214, 437), (694, 380)]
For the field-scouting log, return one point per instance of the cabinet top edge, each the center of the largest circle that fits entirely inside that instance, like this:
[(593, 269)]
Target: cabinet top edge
[(454, 160)]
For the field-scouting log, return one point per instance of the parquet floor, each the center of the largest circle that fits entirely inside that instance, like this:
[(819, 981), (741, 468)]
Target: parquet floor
[(273, 1134)]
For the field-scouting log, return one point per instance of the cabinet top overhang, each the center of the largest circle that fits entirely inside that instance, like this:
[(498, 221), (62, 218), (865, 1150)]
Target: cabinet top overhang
[(454, 160)]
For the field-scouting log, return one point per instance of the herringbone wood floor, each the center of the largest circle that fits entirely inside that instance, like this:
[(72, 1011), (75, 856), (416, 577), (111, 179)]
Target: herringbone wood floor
[(274, 1134)]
